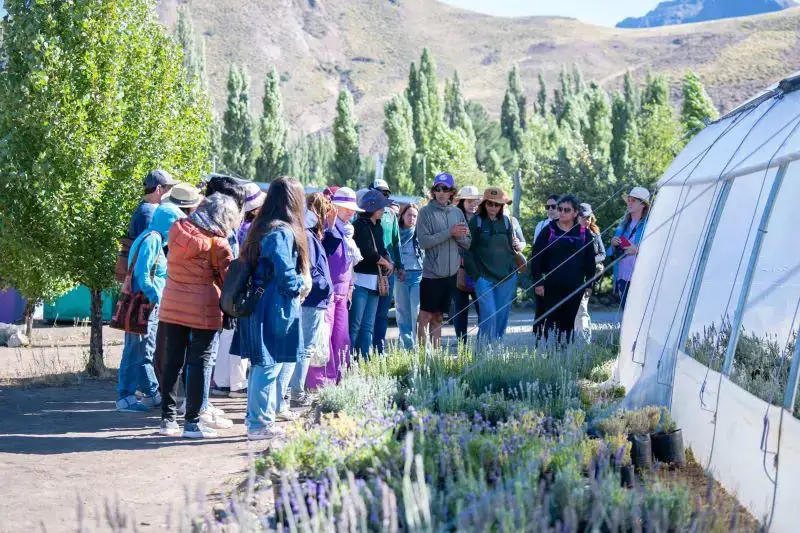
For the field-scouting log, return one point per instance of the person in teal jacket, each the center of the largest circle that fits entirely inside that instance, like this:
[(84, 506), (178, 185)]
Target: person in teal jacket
[(148, 263)]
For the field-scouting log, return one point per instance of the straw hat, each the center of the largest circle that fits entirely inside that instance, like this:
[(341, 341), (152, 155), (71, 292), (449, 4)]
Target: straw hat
[(495, 194), (346, 197), (184, 195), (469, 192)]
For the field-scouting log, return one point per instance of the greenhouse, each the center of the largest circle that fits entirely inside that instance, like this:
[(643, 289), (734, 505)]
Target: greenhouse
[(712, 317)]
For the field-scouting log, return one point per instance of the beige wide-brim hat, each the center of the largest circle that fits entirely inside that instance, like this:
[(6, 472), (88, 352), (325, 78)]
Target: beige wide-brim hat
[(254, 197), (640, 193), (346, 197), (496, 194), (468, 192), (184, 195)]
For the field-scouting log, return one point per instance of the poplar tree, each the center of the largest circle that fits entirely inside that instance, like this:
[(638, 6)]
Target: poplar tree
[(697, 108), (273, 131), (347, 161), (238, 134)]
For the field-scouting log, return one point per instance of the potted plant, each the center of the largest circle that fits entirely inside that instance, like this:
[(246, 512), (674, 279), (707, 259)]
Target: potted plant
[(667, 441), (638, 424), (620, 452)]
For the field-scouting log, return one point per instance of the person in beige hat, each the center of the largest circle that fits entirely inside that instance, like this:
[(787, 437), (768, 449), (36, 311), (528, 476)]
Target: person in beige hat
[(491, 262), (467, 200), (627, 238)]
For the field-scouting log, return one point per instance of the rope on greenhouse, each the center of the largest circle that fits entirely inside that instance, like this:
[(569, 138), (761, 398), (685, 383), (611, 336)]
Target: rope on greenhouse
[(702, 155), (708, 370)]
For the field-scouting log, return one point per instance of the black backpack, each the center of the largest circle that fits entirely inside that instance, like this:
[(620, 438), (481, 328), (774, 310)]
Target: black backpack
[(240, 295)]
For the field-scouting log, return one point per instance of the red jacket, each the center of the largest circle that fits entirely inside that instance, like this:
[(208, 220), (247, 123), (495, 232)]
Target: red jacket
[(191, 295)]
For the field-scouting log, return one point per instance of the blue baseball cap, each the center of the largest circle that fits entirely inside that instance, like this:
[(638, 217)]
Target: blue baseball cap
[(373, 200), (158, 177), (443, 178)]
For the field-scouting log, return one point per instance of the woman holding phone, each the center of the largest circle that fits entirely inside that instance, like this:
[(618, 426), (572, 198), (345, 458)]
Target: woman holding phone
[(627, 238)]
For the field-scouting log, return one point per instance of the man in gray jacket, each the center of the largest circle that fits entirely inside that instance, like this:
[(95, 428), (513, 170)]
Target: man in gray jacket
[(442, 232)]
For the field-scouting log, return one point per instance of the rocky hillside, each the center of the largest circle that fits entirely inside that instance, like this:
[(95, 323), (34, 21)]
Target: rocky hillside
[(686, 11), (319, 46)]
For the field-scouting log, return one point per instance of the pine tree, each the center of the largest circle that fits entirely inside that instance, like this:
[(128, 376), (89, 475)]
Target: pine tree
[(578, 85), (697, 108), (510, 121), (398, 126), (238, 135), (541, 97), (598, 133), (515, 86), (273, 131), (455, 112), (624, 133), (347, 162), (656, 91)]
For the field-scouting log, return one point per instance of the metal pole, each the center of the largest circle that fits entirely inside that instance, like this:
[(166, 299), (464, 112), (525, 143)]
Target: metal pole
[(791, 386), (688, 315), (736, 326)]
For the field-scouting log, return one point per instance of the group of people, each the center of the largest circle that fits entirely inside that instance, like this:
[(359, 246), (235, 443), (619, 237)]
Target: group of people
[(326, 268)]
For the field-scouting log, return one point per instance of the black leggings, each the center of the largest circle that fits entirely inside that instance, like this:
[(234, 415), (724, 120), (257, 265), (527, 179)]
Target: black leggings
[(461, 311), (562, 318), (193, 347)]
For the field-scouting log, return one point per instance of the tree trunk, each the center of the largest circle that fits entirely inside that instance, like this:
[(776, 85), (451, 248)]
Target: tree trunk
[(30, 307), (517, 194), (95, 366)]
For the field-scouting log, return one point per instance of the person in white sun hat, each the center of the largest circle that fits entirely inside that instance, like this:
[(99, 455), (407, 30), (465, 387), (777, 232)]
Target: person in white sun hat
[(627, 238)]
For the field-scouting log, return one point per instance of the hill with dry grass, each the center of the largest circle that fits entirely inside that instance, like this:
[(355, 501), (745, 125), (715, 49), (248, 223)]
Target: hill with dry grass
[(319, 46)]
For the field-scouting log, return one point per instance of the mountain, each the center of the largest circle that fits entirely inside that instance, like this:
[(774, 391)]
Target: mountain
[(319, 46), (685, 11)]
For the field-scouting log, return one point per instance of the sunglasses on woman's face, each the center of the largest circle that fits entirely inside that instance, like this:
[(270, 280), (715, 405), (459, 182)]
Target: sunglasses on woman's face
[(490, 203), (550, 206), (441, 189), (565, 210)]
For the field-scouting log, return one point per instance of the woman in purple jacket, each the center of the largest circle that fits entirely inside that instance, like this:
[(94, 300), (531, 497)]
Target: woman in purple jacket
[(340, 263)]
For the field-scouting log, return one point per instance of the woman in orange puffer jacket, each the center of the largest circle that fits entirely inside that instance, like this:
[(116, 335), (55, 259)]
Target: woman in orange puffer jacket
[(198, 259)]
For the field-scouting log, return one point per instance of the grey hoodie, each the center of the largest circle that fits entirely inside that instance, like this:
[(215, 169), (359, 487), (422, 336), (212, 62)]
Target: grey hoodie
[(442, 257)]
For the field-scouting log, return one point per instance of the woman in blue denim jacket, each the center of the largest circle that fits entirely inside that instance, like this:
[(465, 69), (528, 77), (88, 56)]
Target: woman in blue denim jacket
[(272, 337), (627, 238)]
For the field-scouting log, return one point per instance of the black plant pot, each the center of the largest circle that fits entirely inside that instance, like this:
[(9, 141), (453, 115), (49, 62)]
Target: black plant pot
[(546, 478), (628, 476), (668, 447), (641, 452)]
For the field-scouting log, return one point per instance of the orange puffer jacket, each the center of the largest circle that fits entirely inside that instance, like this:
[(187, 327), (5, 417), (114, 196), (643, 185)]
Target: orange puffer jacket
[(191, 297)]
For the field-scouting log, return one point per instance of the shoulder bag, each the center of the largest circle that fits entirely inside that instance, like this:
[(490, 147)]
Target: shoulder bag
[(132, 313)]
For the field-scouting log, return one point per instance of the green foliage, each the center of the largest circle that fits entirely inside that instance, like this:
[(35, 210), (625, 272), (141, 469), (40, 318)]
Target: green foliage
[(94, 95), (399, 128), (510, 121), (541, 97), (455, 112), (488, 139), (657, 143), (358, 392), (624, 135), (239, 143), (656, 91), (598, 132), (515, 86), (347, 162), (273, 132), (311, 159), (697, 108), (451, 151)]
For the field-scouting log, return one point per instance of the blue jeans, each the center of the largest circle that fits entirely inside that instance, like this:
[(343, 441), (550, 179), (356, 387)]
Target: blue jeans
[(310, 320), (263, 398), (495, 306), (406, 304), (382, 317), (136, 367), (362, 319)]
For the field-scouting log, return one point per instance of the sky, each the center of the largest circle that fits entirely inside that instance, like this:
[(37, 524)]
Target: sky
[(600, 12)]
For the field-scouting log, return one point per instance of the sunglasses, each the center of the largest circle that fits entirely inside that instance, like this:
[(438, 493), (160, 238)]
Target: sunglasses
[(386, 194), (565, 210), (551, 206), (490, 203), (440, 189)]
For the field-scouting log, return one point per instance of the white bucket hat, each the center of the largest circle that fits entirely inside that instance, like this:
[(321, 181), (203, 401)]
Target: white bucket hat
[(346, 197), (254, 197), (469, 192), (640, 193)]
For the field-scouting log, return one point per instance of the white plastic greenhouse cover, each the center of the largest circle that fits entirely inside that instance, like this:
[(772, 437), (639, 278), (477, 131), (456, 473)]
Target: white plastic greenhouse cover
[(705, 258)]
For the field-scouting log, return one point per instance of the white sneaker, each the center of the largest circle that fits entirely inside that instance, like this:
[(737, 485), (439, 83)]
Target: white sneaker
[(212, 420), (264, 434), (287, 415), (170, 428), (198, 431), (216, 410), (152, 401)]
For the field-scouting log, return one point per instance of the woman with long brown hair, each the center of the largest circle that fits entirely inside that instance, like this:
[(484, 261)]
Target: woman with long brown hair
[(271, 336)]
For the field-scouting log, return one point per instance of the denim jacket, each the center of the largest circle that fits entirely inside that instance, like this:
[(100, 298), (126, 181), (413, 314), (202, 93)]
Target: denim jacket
[(272, 334)]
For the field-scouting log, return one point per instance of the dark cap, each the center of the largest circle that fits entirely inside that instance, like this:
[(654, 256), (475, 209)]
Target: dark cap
[(158, 177), (373, 200)]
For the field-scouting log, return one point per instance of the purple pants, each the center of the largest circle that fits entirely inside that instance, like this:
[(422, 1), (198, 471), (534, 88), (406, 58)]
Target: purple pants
[(337, 317)]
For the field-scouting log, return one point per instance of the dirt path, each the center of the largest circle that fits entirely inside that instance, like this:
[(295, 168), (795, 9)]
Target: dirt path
[(60, 446)]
